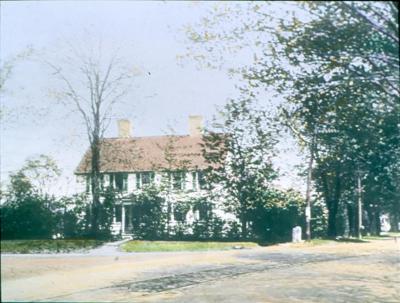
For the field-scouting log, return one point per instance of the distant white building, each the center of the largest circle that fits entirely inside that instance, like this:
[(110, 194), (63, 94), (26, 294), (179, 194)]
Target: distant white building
[(130, 163)]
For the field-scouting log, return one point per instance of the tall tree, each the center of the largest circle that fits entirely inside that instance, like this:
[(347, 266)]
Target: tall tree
[(239, 151), (337, 66), (92, 83)]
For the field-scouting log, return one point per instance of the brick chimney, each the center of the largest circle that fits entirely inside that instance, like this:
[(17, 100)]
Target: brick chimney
[(124, 128), (195, 126)]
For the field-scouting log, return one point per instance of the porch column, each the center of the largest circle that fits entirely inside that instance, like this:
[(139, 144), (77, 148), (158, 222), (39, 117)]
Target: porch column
[(123, 218), (130, 218)]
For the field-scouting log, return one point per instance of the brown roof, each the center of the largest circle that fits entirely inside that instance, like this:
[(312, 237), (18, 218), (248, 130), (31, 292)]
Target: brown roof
[(147, 154)]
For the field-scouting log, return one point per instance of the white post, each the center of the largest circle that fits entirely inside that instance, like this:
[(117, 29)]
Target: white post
[(123, 219)]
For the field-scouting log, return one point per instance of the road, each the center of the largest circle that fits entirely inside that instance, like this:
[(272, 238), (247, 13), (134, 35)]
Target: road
[(337, 272)]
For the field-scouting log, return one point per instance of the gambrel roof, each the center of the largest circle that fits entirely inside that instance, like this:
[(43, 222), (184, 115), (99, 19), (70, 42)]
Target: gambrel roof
[(147, 154)]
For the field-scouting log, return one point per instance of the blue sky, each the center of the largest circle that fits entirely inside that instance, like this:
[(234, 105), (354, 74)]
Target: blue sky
[(151, 35)]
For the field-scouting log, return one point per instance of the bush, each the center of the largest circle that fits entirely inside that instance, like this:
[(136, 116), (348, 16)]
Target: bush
[(217, 227), (272, 220), (181, 231), (27, 217), (232, 230), (149, 218), (201, 230)]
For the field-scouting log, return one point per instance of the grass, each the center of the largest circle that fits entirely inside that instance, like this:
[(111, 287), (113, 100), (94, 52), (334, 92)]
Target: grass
[(364, 239), (159, 246), (320, 242), (47, 246), (383, 236)]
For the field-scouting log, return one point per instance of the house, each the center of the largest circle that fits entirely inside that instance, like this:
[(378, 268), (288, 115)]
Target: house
[(129, 163)]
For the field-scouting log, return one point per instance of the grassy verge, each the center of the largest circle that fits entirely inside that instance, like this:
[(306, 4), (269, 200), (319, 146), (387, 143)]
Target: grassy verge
[(383, 236), (364, 239), (316, 242), (46, 246), (158, 246)]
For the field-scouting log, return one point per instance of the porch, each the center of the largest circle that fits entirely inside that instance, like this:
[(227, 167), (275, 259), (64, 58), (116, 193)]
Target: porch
[(122, 220)]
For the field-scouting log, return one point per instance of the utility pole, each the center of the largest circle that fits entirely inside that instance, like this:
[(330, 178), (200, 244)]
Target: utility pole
[(308, 190)]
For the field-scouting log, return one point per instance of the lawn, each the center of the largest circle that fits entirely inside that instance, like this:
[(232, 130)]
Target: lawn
[(383, 236), (158, 246), (47, 246)]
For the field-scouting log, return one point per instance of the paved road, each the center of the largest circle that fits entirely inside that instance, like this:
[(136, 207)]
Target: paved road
[(287, 273)]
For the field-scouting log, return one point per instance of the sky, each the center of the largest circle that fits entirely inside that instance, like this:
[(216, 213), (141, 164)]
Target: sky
[(150, 35)]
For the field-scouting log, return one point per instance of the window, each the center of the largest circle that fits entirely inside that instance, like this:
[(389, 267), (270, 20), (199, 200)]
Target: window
[(147, 178), (194, 180), (201, 180), (144, 178), (121, 181), (111, 181), (198, 180), (101, 182), (178, 180)]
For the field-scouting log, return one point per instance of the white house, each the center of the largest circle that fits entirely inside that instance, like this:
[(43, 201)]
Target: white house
[(129, 163)]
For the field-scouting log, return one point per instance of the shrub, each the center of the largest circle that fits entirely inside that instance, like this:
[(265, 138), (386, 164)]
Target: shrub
[(232, 230), (272, 220), (27, 217), (149, 218)]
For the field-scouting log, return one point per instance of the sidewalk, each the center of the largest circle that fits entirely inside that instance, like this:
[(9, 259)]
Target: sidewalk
[(109, 249)]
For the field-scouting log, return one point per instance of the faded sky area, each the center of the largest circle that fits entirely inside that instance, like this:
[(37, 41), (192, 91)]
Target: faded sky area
[(150, 35)]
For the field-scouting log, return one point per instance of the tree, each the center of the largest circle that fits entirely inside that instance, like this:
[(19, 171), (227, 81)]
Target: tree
[(337, 66), (26, 212), (27, 217), (37, 175), (8, 65), (239, 152), (343, 91), (42, 172), (92, 84), (276, 214)]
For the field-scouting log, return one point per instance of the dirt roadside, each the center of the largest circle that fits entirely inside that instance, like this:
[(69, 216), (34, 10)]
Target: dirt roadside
[(28, 278)]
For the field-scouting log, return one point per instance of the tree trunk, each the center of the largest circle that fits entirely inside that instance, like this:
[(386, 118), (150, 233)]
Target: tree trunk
[(332, 196), (332, 209), (351, 218), (95, 182), (394, 221), (243, 221), (377, 222)]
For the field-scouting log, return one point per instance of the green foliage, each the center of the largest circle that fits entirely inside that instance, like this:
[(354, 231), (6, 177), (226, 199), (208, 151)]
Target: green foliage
[(40, 172), (29, 212), (47, 246), (319, 219), (233, 230), (336, 64), (181, 208), (239, 153), (106, 213), (27, 217), (274, 218), (70, 216), (149, 216), (153, 246)]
